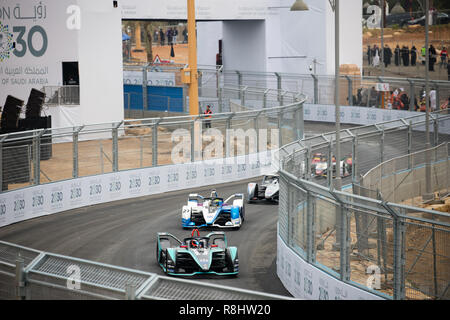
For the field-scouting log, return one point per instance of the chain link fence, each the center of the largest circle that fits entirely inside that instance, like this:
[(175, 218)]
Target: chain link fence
[(360, 235), (49, 155)]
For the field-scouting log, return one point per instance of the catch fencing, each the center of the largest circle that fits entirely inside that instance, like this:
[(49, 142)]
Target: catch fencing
[(48, 155), (356, 90), (393, 250), (261, 88), (27, 274)]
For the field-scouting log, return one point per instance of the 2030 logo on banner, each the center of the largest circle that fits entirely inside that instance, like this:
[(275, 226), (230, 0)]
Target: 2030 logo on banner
[(6, 42)]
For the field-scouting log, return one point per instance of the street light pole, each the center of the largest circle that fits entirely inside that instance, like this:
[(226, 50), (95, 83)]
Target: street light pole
[(428, 191), (338, 180), (192, 44)]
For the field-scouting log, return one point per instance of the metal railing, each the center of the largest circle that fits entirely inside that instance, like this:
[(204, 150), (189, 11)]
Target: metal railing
[(30, 158), (402, 179), (62, 95), (27, 274), (357, 90), (272, 89), (351, 236)]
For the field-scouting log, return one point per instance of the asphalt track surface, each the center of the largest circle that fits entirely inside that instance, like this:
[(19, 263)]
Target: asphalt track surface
[(123, 233)]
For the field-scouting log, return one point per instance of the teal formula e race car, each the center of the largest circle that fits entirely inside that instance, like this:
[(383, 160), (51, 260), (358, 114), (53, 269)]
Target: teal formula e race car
[(196, 255)]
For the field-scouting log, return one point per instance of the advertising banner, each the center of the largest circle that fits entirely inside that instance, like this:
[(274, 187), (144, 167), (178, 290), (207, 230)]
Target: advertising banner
[(37, 201), (35, 38)]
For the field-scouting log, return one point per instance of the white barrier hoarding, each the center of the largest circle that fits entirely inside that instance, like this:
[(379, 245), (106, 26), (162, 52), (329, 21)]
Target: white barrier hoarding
[(366, 116), (37, 201), (205, 9), (166, 79), (305, 281)]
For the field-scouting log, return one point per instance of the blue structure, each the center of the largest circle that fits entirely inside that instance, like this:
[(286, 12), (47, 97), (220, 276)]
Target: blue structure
[(158, 98)]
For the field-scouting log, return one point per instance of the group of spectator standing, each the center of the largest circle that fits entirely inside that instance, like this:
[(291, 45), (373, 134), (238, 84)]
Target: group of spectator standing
[(171, 35), (398, 99), (405, 56)]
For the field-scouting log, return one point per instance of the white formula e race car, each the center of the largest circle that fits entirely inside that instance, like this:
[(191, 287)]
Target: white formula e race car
[(213, 211), (268, 189)]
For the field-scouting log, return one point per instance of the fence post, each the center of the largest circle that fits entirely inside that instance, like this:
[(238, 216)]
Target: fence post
[(219, 96), (298, 123), (193, 141), (130, 292), (279, 86), (308, 163), (1, 165), (75, 153), (316, 88), (144, 88), (280, 133), (382, 146), (37, 157), (399, 258), (354, 159), (350, 90), (412, 95), (310, 228), (239, 74), (228, 137), (115, 148), (20, 279), (265, 98), (345, 243), (155, 144), (242, 95), (436, 132), (410, 144), (330, 165)]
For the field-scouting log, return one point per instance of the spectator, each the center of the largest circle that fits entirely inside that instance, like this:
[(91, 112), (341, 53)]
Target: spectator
[(169, 36), (397, 55), (175, 35), (444, 56), (405, 56), (369, 55), (387, 55), (185, 35), (162, 37), (432, 100), (413, 55), (208, 114), (423, 53), (373, 101), (432, 56)]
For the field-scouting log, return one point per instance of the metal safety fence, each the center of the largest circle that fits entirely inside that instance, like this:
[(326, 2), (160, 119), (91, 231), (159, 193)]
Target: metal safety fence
[(390, 249), (267, 88), (27, 274), (357, 90), (55, 154), (403, 179)]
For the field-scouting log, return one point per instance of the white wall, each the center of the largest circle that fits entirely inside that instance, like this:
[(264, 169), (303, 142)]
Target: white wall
[(96, 44), (208, 36), (292, 40), (244, 45), (100, 52), (22, 71)]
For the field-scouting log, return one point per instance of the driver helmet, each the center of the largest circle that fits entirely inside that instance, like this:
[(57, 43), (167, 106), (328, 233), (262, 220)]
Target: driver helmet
[(194, 243)]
